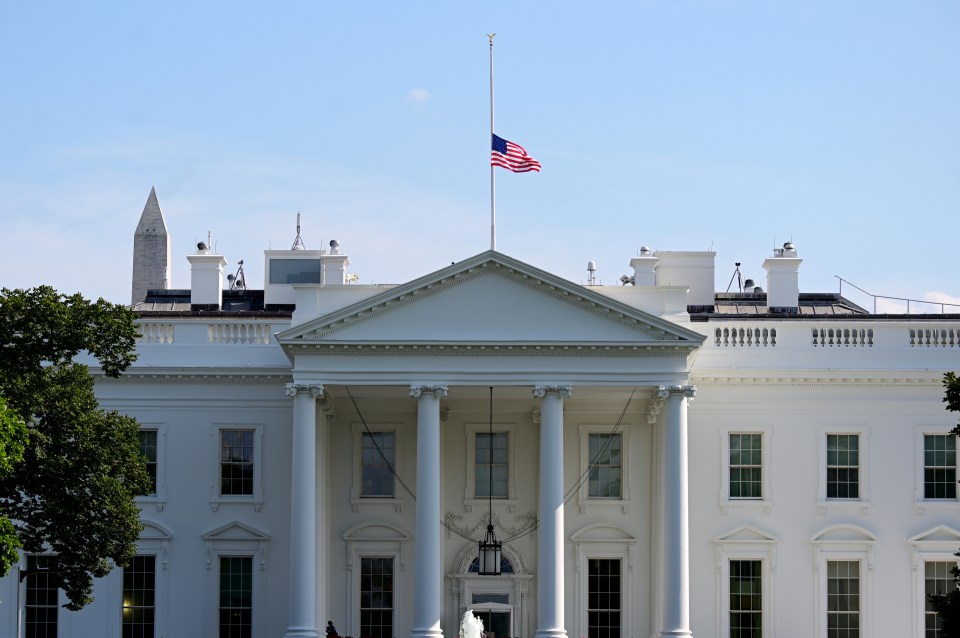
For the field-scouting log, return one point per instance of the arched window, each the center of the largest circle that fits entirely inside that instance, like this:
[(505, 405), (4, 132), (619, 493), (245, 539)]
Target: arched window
[(505, 566)]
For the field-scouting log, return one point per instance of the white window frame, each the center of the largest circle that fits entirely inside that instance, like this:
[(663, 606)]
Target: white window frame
[(159, 499), (255, 499), (377, 540), (235, 539), (22, 596), (584, 500), (844, 543), (356, 490), (934, 545), (154, 541), (864, 502), (921, 502), (605, 541), (747, 543), (470, 499), (766, 486)]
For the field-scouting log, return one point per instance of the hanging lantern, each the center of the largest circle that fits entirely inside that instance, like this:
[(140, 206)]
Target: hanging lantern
[(490, 551), (490, 547)]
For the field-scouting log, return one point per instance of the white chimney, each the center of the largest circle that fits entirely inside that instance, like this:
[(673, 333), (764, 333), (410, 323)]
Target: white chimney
[(645, 268), (206, 279), (783, 280), (334, 266), (693, 269)]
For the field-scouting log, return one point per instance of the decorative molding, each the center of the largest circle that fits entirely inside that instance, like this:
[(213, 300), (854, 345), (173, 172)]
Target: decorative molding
[(444, 414), (439, 390), (839, 383), (667, 349), (564, 391), (313, 389), (654, 405), (194, 379), (535, 416), (688, 391)]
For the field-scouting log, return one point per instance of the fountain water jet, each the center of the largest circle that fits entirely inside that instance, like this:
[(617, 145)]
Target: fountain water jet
[(471, 626)]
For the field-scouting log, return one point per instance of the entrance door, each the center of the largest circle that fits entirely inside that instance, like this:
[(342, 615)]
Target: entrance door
[(496, 624)]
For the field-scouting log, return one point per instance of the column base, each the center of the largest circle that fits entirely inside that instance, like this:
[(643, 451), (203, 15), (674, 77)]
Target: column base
[(679, 633), (550, 633), (301, 632), (429, 632)]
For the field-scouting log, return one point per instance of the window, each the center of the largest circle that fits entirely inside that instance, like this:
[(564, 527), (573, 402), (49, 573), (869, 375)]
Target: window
[(939, 466), (376, 596), (139, 597), (843, 599), (236, 462), (746, 599), (40, 608), (605, 467), (491, 465), (745, 582), (843, 466), (937, 579), (148, 449), (606, 463), (295, 271), (746, 466), (236, 597), (603, 598), (377, 460)]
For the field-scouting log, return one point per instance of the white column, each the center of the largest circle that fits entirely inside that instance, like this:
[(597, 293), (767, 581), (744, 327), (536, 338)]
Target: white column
[(428, 547), (303, 512), (676, 517), (550, 546)]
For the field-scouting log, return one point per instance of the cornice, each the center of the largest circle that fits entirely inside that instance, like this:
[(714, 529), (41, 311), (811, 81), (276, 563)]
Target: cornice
[(846, 381), (667, 349), (199, 378)]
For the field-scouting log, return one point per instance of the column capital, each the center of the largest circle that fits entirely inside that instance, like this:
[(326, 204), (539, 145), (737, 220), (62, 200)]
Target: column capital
[(439, 390), (313, 389), (539, 391), (688, 391)]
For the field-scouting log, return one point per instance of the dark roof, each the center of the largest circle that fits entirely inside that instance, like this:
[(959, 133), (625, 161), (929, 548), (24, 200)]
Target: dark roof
[(236, 303)]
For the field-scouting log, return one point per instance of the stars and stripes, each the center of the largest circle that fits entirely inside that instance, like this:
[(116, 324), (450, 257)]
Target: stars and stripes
[(511, 156)]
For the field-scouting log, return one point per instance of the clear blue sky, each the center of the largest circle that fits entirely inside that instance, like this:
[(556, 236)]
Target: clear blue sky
[(678, 124)]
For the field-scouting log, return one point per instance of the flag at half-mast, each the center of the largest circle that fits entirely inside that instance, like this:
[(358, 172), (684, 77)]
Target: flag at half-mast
[(511, 156)]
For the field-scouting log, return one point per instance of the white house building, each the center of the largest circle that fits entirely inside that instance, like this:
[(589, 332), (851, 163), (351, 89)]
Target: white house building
[(656, 458)]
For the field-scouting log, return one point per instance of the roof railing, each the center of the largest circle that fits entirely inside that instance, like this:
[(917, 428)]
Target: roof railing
[(942, 304)]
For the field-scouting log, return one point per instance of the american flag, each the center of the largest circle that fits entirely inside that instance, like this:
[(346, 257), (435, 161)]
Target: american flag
[(512, 157)]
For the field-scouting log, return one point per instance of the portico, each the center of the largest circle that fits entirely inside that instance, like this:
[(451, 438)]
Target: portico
[(544, 345)]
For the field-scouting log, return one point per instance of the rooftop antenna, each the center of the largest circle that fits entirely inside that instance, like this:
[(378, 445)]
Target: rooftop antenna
[(738, 276), (298, 242), (238, 281)]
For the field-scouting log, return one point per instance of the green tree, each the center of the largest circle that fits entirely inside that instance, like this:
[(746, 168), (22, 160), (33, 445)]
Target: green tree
[(947, 605), (69, 487)]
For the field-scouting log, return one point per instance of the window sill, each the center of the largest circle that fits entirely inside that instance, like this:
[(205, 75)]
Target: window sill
[(843, 504), (151, 501), (483, 504), (257, 503), (604, 503), (936, 504), (746, 503), (395, 503)]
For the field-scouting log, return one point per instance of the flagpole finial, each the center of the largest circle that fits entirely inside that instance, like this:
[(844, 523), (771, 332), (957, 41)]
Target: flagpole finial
[(490, 35)]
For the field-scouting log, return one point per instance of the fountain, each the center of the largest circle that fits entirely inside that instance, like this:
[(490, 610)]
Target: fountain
[(471, 626)]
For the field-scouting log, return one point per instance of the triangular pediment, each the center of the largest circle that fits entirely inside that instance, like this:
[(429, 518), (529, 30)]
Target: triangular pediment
[(745, 534), (491, 299), (235, 531), (939, 534)]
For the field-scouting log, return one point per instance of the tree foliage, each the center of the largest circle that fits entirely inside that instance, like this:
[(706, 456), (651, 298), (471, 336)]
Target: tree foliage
[(71, 489), (947, 605)]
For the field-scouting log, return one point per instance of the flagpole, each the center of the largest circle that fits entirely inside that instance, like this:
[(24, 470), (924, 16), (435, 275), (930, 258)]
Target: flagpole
[(493, 181)]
